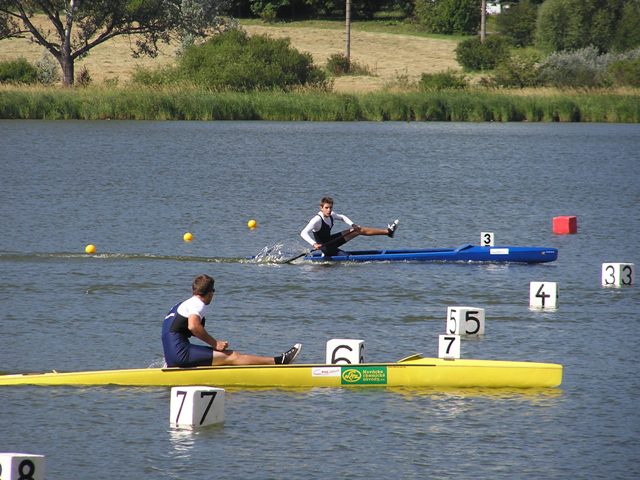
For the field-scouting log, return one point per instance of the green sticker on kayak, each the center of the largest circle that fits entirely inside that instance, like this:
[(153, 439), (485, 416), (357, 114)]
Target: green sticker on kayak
[(355, 375)]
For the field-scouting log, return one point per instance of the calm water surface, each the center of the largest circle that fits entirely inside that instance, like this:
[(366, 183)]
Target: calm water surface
[(134, 188)]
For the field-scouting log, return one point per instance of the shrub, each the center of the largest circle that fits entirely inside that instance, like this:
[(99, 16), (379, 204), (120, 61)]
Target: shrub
[(83, 78), (580, 68), (167, 75), (18, 71), (472, 54), (48, 69), (232, 60), (338, 64), (442, 81), (625, 72), (519, 70)]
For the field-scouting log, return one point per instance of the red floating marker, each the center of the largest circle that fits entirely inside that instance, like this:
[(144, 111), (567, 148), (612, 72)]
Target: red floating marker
[(565, 225)]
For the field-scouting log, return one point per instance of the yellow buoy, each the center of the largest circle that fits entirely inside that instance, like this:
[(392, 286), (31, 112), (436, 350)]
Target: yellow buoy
[(187, 237), (90, 249), (252, 223)]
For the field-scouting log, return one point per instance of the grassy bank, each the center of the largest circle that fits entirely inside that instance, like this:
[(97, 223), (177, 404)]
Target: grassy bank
[(184, 104)]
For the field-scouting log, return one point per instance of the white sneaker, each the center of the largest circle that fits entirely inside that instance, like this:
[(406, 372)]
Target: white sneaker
[(391, 228)]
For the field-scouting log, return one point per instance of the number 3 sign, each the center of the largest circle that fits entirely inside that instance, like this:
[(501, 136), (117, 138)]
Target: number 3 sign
[(617, 274)]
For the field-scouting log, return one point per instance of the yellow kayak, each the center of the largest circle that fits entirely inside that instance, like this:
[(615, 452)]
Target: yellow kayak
[(413, 371)]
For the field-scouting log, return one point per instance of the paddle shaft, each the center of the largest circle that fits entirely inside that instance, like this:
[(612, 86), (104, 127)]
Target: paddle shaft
[(329, 243)]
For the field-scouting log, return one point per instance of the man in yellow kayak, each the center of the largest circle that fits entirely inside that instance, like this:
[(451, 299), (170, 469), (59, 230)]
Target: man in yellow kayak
[(318, 234), (187, 319)]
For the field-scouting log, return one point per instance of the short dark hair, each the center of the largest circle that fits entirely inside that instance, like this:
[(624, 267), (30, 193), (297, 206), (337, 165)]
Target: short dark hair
[(202, 284), (324, 200)]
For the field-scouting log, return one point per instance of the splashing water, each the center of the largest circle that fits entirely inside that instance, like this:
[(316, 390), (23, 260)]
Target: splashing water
[(278, 253)]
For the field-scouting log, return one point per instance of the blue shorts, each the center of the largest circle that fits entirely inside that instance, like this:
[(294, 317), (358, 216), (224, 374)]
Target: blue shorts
[(179, 352)]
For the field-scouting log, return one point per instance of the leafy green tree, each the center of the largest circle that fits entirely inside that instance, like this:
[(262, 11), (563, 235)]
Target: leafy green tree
[(518, 23), (449, 16), (575, 24), (627, 34), (293, 9), (74, 27)]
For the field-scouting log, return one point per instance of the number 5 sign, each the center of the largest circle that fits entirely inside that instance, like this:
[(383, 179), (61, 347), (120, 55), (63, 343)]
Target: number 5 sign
[(465, 321)]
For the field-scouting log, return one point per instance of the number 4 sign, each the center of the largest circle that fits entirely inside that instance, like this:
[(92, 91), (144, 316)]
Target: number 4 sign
[(543, 295)]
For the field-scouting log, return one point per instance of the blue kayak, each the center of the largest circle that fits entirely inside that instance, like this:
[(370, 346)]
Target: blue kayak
[(464, 253)]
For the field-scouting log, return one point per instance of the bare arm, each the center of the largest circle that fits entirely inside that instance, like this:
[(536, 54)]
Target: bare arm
[(198, 331)]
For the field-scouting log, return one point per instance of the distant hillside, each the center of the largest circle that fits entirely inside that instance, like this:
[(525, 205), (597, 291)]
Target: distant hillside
[(388, 56)]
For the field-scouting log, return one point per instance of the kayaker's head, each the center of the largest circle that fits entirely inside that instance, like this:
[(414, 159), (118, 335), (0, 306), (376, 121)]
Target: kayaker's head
[(203, 286), (326, 206)]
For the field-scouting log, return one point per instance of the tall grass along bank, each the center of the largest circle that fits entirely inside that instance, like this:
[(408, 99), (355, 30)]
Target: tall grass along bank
[(476, 105)]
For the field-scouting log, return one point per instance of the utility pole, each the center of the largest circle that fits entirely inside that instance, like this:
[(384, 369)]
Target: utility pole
[(483, 21), (348, 31)]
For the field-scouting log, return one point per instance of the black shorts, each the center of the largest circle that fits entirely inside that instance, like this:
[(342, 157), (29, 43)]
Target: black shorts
[(334, 244)]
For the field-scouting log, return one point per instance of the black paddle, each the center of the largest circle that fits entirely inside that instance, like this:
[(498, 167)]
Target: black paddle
[(328, 244)]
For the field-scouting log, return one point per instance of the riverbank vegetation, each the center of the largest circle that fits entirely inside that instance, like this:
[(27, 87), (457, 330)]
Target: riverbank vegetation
[(424, 66), (476, 105)]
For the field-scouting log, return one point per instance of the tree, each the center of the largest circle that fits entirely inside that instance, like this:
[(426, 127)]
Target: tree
[(575, 24), (449, 16), (73, 27), (519, 23), (628, 31)]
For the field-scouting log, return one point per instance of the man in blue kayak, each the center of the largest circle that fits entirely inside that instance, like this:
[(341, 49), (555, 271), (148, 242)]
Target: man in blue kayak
[(187, 319), (318, 234)]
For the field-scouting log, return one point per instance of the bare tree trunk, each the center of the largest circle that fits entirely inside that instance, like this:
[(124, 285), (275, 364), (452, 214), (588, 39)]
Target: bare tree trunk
[(348, 31), (483, 21), (66, 63), (66, 60)]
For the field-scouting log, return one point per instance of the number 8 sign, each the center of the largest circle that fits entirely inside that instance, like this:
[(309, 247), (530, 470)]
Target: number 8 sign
[(21, 466)]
